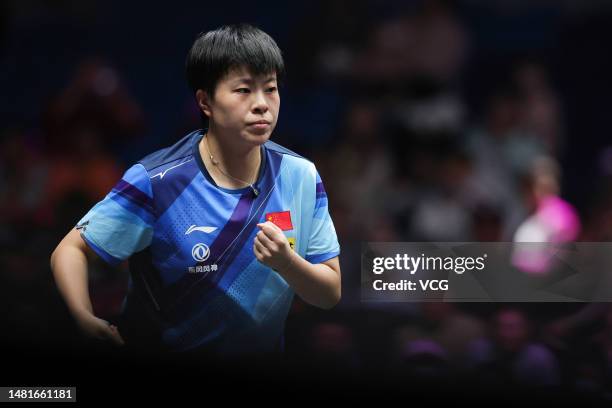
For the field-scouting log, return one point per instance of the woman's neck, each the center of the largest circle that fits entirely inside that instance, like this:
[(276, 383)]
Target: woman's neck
[(236, 162)]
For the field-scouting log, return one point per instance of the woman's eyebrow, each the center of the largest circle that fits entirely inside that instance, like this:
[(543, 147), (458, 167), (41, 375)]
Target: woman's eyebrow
[(249, 80)]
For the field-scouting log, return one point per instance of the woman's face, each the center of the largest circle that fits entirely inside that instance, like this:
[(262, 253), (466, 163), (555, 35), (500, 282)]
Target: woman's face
[(242, 100)]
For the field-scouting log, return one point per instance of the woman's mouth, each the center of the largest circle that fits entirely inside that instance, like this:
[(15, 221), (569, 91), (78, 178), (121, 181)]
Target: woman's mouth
[(260, 125)]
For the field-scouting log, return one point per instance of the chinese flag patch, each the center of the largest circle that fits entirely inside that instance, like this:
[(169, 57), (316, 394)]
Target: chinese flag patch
[(281, 219)]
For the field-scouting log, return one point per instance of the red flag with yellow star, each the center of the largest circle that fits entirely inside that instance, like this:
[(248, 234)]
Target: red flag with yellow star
[(281, 219)]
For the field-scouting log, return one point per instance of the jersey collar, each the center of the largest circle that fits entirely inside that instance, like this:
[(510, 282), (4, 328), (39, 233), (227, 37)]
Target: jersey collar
[(196, 153)]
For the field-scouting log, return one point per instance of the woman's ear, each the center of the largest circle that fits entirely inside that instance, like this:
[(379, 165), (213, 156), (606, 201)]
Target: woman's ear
[(203, 102)]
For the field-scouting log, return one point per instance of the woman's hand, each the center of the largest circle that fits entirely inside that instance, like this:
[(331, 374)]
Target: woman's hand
[(272, 248), (99, 329)]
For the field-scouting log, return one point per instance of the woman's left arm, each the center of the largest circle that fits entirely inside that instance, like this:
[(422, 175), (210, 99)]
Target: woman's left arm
[(317, 284)]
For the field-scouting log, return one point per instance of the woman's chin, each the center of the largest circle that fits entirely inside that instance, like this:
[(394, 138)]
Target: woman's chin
[(257, 138)]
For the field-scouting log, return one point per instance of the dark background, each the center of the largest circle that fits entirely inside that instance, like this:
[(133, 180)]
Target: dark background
[(425, 120)]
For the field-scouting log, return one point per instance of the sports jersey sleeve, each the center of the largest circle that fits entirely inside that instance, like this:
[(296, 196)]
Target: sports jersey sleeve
[(122, 223), (323, 243)]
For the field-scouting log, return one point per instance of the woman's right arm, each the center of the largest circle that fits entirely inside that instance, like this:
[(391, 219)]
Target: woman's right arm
[(69, 266)]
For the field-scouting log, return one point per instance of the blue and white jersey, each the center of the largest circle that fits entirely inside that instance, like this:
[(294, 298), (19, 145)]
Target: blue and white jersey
[(194, 279)]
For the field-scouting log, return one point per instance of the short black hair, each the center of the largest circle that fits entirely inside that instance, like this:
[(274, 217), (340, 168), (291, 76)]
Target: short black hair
[(214, 53)]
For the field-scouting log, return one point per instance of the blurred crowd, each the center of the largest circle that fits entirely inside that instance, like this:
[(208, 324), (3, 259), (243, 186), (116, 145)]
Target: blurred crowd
[(415, 139)]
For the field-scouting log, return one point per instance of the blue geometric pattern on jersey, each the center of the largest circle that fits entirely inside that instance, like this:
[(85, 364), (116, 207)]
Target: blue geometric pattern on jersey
[(123, 220), (170, 219)]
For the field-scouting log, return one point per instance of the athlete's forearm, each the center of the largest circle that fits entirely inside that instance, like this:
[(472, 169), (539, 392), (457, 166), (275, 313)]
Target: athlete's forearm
[(69, 266), (317, 284)]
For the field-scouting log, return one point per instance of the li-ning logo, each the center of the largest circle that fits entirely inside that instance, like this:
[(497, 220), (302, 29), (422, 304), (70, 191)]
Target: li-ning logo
[(207, 230), (200, 252)]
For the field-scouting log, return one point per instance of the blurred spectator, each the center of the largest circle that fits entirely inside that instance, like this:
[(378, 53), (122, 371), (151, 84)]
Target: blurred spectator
[(540, 110), (442, 324), (423, 362), (359, 170), (501, 152), (430, 43), (440, 213), (92, 174), (552, 219), (487, 224), (94, 112), (92, 117), (510, 356), (328, 51), (23, 175)]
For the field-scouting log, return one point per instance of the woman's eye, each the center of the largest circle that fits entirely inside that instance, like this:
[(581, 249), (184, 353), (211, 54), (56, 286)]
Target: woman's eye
[(272, 89), (243, 90)]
